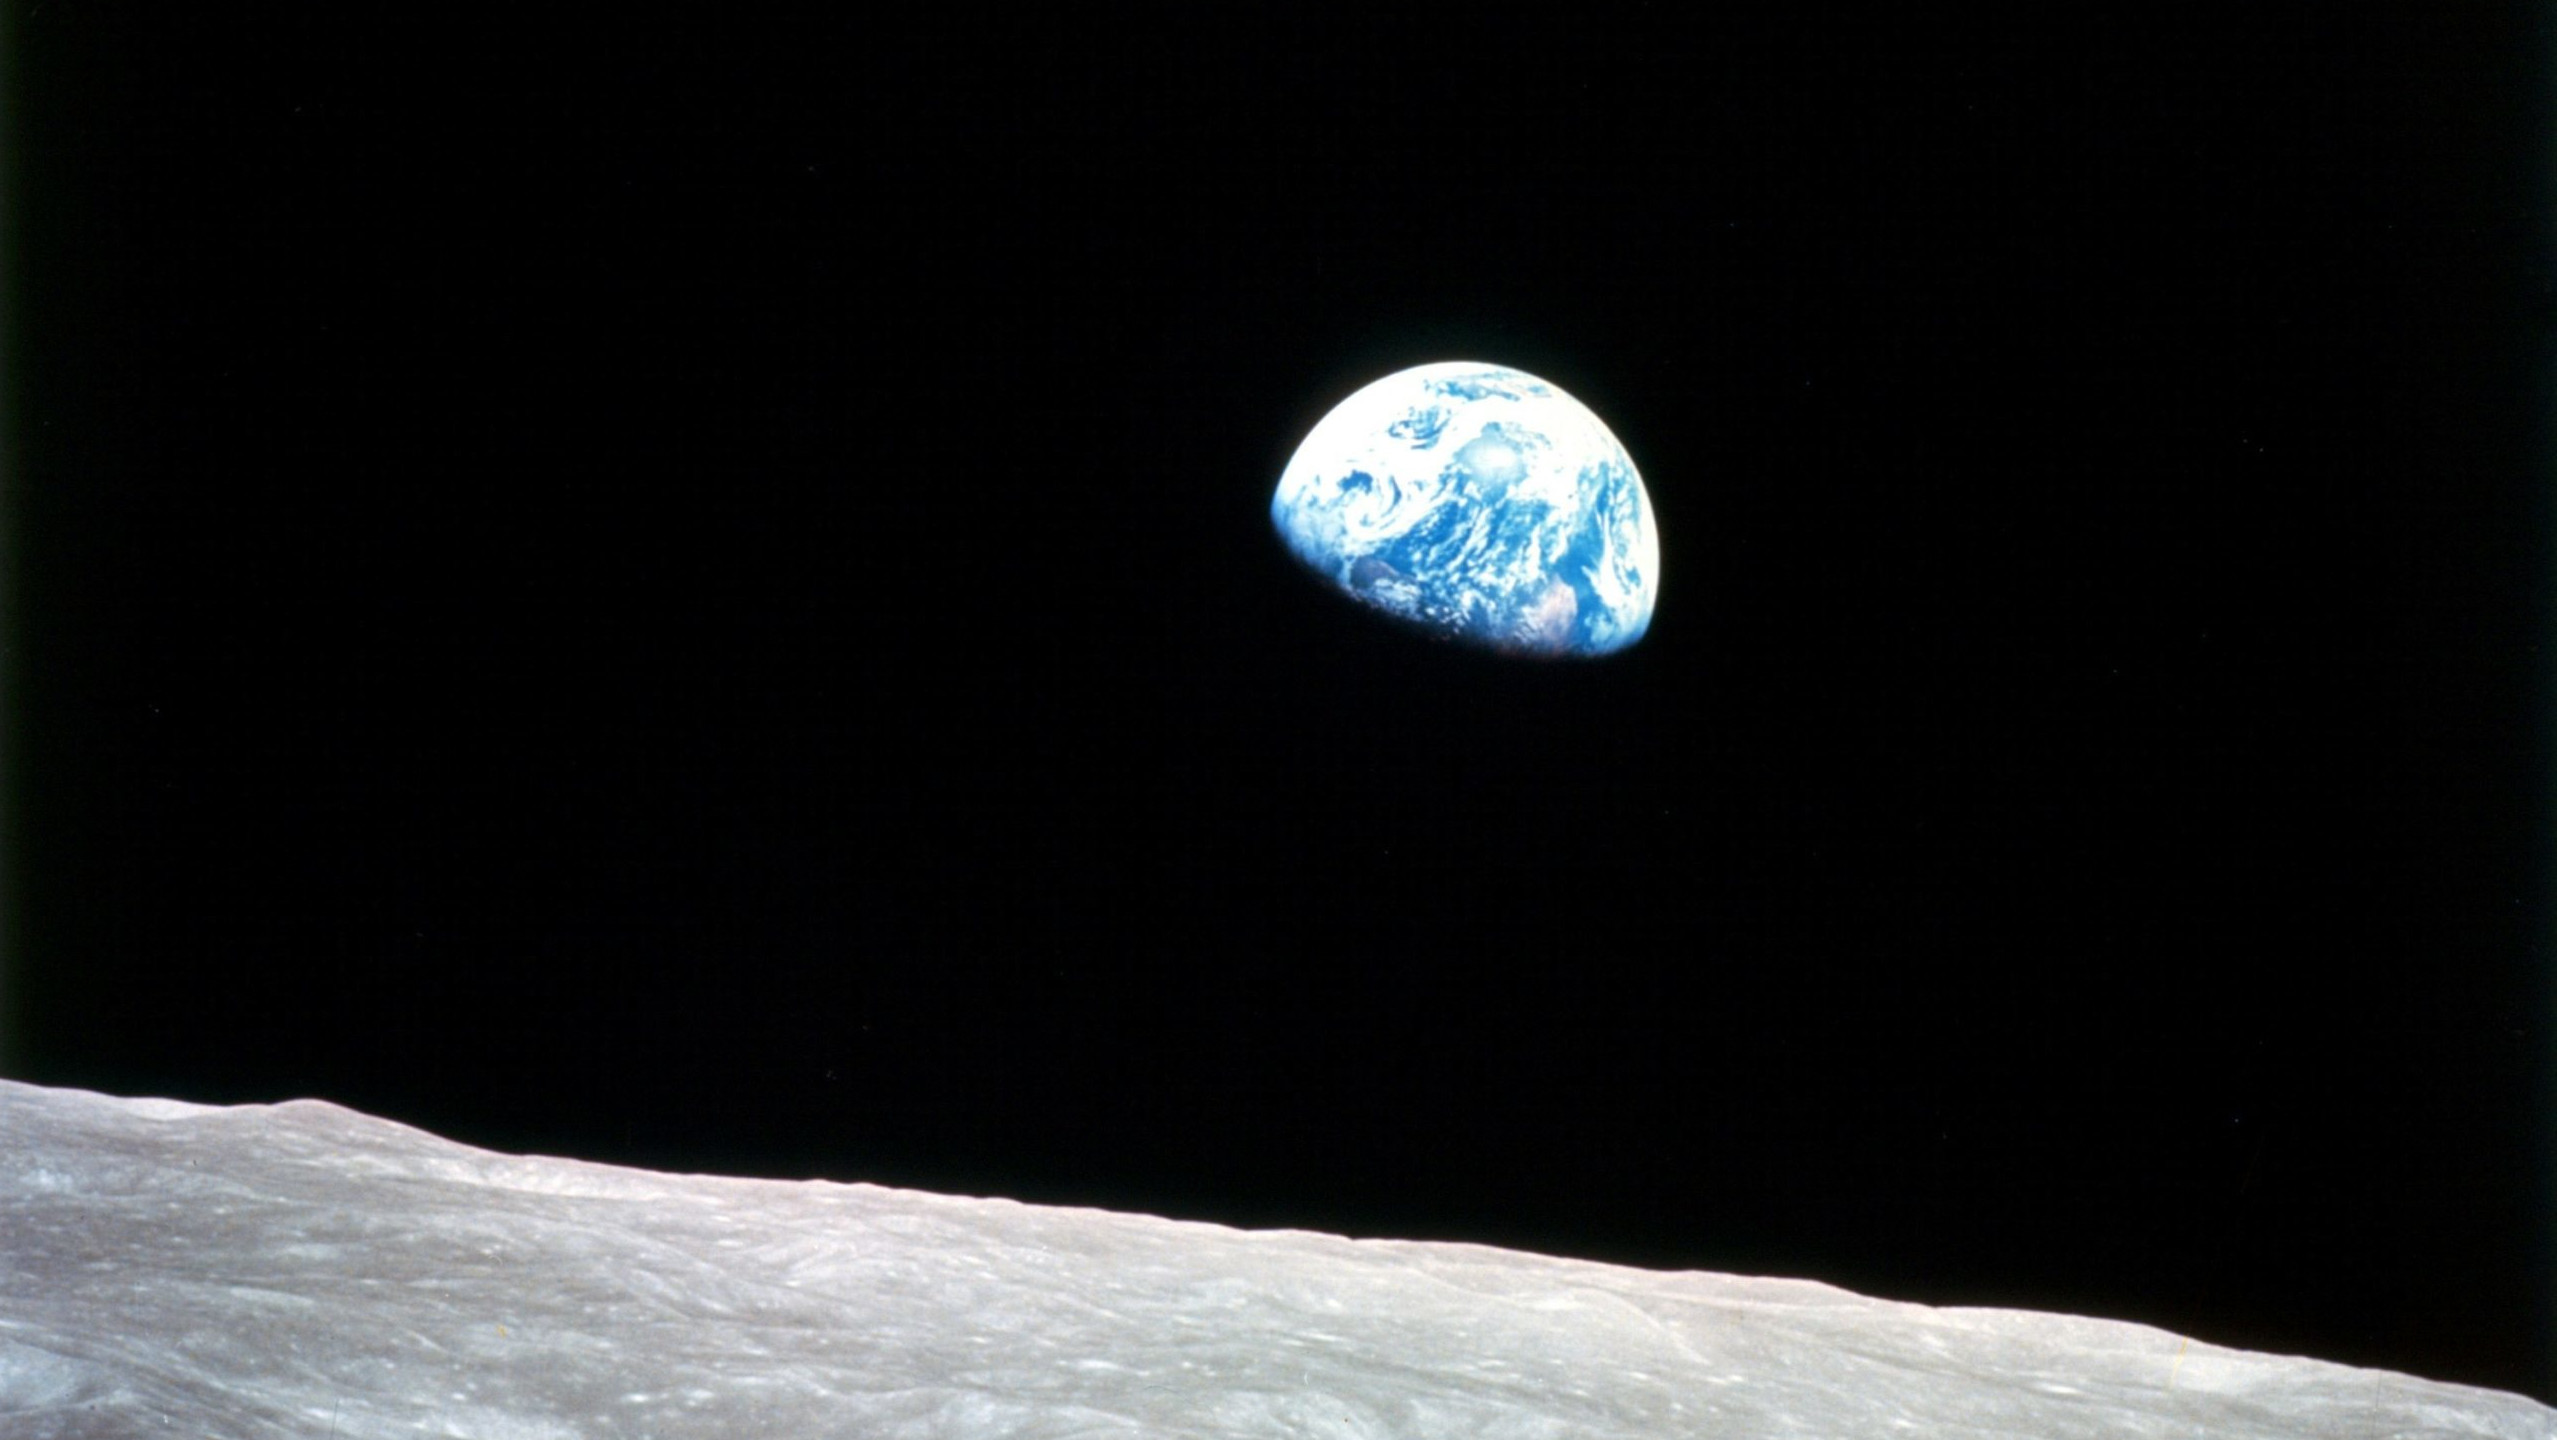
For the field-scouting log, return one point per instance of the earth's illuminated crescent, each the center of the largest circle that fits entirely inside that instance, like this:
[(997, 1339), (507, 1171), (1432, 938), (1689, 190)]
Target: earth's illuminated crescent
[(1481, 503)]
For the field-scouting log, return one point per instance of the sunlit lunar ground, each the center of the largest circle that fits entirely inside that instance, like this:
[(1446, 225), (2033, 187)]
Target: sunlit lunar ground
[(302, 1270)]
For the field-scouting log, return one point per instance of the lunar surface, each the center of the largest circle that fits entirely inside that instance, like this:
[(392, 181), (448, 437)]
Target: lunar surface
[(302, 1270)]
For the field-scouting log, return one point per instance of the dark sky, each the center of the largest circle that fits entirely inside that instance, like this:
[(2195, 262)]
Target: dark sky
[(698, 592)]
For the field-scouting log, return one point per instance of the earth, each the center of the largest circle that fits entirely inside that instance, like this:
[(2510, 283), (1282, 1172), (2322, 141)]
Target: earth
[(1481, 504)]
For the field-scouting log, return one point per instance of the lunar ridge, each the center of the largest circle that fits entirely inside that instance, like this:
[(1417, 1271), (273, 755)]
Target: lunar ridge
[(301, 1269)]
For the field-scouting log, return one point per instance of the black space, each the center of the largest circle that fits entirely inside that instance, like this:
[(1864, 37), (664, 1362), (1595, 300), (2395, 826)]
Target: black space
[(697, 592)]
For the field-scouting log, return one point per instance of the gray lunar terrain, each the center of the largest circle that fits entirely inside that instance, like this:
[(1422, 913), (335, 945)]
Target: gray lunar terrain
[(303, 1270)]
